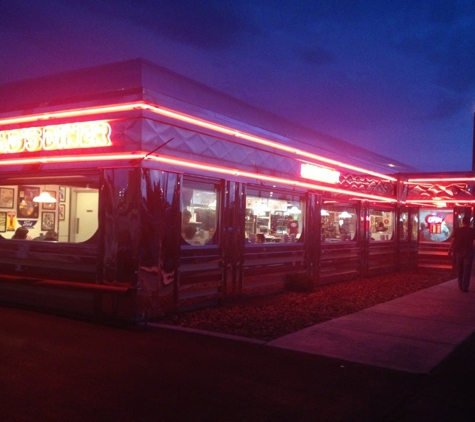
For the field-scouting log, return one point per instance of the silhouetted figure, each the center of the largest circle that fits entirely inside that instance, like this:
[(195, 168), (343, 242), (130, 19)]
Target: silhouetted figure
[(51, 235), (21, 233), (462, 248)]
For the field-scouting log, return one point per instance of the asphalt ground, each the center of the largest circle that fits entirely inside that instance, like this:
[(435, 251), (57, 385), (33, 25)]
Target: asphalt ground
[(54, 368)]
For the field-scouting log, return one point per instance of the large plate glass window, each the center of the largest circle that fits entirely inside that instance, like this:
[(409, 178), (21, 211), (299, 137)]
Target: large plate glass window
[(381, 224), (59, 207), (339, 222), (274, 217), (199, 212), (435, 225), (404, 225)]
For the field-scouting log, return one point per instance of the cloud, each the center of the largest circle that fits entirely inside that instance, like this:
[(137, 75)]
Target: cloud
[(203, 24), (444, 35), (374, 73)]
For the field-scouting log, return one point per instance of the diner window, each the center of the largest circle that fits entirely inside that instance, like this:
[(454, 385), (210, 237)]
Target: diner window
[(199, 211), (60, 209), (403, 226), (415, 226), (381, 224), (338, 222), (273, 217), (435, 225)]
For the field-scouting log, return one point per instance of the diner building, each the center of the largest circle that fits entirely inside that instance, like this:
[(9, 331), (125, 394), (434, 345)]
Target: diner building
[(140, 192)]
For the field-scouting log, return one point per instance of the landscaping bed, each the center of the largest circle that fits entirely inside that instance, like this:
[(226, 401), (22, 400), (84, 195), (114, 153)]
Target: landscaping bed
[(267, 317)]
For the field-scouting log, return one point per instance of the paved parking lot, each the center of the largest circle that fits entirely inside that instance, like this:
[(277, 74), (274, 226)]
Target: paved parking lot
[(54, 368)]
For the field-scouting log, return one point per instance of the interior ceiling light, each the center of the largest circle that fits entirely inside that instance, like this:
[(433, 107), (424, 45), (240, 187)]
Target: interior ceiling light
[(345, 214), (44, 198)]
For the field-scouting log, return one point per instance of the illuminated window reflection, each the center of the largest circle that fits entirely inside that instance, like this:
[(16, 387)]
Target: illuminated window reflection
[(199, 208), (65, 212), (338, 222), (273, 217), (435, 225), (381, 225)]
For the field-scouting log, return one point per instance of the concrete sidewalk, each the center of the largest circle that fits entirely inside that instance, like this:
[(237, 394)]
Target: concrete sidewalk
[(413, 333)]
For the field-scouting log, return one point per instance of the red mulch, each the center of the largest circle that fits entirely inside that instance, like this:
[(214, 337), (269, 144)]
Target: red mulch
[(269, 317)]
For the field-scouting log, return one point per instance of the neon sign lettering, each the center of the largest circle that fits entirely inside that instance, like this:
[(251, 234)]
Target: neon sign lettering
[(56, 137), (320, 174), (433, 219)]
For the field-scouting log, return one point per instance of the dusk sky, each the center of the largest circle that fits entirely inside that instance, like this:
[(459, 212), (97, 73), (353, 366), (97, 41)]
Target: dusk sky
[(397, 78)]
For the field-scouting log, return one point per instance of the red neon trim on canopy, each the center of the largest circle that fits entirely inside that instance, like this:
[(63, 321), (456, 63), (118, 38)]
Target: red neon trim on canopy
[(187, 164), (435, 201), (445, 179), (235, 172), (189, 119)]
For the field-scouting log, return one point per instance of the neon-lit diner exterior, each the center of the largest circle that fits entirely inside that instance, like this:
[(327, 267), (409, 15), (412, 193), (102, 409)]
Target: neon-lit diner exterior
[(141, 191)]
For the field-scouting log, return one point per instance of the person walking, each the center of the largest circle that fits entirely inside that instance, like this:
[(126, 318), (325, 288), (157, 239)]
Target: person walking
[(462, 248)]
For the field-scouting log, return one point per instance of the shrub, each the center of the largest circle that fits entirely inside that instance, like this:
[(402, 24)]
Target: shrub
[(298, 282)]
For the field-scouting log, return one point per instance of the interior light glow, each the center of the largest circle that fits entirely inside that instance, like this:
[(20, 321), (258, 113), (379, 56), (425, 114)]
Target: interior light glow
[(44, 198), (188, 164), (294, 210), (56, 137), (140, 105), (345, 214)]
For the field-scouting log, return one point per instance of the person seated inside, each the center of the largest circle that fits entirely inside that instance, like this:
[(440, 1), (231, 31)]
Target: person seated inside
[(51, 235), (260, 238), (21, 233), (185, 218), (189, 234)]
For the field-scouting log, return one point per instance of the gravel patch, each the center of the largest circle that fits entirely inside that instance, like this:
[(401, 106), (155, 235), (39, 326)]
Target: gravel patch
[(267, 317)]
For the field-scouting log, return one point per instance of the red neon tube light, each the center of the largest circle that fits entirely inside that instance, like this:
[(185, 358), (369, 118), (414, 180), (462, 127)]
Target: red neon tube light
[(445, 179), (435, 201), (188, 119), (187, 164)]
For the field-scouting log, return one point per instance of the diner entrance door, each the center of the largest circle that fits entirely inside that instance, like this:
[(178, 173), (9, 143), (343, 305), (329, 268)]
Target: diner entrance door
[(84, 215)]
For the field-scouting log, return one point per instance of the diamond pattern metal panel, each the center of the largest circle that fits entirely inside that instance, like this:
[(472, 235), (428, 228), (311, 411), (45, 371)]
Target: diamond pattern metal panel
[(193, 145)]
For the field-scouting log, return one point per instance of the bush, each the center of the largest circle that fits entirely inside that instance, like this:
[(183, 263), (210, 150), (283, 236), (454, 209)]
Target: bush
[(297, 282)]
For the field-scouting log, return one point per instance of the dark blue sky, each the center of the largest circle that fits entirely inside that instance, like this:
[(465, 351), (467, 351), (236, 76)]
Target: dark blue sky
[(397, 78)]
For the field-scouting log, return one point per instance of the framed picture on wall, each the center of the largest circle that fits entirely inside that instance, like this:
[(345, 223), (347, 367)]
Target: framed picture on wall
[(47, 221), (6, 198), (62, 194), (25, 206), (62, 212), (48, 206), (3, 222)]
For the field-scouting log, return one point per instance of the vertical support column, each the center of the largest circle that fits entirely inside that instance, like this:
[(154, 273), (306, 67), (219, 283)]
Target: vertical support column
[(365, 236), (169, 242), (232, 231), (313, 236), (400, 194)]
